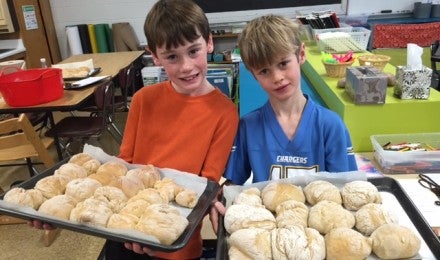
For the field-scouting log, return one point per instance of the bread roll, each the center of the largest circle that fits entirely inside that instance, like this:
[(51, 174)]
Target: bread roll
[(169, 187), (319, 190), (276, 192), (393, 241), (187, 198), (104, 178), (51, 186), (148, 174), (30, 198), (250, 243), (241, 216), (136, 208), (81, 189), (327, 215), (355, 194), (129, 185), (346, 243), (113, 168), (150, 195), (71, 171), (162, 222), (122, 221), (251, 196), (58, 206), (372, 216), (114, 197), (87, 161), (91, 211), (297, 242), (290, 213)]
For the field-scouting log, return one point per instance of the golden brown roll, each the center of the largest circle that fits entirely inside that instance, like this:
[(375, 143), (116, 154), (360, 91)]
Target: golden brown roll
[(150, 195), (355, 194), (322, 190), (250, 243), (113, 167), (346, 243), (276, 192), (162, 221), (81, 189), (327, 215), (241, 216), (297, 242), (250, 196), (51, 186), (130, 185), (393, 241), (148, 174), (30, 198), (91, 211), (290, 213), (58, 206), (136, 208), (372, 216), (80, 158), (187, 198), (114, 197), (71, 171), (104, 178), (169, 187), (122, 221)]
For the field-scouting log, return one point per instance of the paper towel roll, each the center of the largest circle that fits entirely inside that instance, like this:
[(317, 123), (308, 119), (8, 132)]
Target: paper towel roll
[(10, 66), (74, 40), (92, 36)]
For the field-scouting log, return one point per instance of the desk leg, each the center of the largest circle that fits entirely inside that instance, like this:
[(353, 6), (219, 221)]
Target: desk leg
[(55, 137)]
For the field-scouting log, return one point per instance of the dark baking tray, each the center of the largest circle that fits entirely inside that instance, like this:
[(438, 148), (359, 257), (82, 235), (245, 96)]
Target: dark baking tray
[(93, 72), (194, 218), (383, 184)]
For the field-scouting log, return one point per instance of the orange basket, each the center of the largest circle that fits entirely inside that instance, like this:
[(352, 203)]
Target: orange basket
[(337, 70), (31, 87)]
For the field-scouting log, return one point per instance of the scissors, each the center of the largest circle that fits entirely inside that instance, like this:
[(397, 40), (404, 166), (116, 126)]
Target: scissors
[(431, 185)]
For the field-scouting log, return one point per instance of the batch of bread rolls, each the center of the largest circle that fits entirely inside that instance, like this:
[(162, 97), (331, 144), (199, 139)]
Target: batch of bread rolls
[(320, 221), (110, 195)]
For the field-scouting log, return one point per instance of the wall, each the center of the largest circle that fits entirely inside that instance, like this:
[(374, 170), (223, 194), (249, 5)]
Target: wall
[(67, 12)]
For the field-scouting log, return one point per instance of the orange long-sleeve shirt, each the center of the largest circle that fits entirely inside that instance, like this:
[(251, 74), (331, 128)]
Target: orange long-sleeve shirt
[(191, 134)]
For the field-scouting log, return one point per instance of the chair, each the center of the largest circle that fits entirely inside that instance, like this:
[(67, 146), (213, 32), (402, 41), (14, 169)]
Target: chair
[(82, 128), (19, 140), (435, 57)]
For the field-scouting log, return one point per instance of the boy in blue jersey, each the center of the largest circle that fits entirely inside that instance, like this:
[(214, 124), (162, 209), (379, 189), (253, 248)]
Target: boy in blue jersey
[(290, 134)]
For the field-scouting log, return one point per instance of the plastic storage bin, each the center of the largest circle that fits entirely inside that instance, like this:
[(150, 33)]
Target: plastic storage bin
[(31, 87), (344, 39), (408, 161)]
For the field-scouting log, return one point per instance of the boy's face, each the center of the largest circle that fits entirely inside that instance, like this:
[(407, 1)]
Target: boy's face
[(186, 65), (282, 79)]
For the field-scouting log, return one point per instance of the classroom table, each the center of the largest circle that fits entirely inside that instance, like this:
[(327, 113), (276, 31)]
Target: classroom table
[(110, 63)]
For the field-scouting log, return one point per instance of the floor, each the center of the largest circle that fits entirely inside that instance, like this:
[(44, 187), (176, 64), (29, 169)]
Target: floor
[(19, 241)]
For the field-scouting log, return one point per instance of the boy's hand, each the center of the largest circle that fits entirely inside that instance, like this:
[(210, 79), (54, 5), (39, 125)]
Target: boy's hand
[(40, 225), (216, 208), (137, 248)]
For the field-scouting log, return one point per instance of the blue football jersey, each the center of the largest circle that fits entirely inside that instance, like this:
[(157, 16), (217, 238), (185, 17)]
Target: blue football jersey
[(321, 143)]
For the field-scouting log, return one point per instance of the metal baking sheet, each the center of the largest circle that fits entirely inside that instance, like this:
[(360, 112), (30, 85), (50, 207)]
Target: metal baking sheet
[(194, 218), (385, 185), (93, 72)]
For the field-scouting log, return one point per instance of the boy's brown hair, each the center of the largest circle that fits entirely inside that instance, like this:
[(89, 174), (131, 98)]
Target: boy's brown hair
[(172, 22), (267, 37)]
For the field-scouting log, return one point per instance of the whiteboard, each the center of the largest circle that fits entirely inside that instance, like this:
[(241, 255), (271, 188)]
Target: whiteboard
[(292, 12), (373, 7)]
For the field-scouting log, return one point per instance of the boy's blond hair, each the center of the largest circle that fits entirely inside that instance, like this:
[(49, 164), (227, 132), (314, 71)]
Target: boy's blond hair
[(170, 23), (265, 38)]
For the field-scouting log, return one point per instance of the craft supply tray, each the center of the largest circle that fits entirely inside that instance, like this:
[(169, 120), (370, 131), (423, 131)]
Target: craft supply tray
[(386, 186), (194, 218)]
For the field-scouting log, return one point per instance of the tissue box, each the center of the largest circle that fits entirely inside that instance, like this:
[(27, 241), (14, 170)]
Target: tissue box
[(412, 83), (366, 85)]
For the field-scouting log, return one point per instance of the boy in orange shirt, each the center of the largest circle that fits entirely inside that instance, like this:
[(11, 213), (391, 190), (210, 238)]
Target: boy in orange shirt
[(184, 123)]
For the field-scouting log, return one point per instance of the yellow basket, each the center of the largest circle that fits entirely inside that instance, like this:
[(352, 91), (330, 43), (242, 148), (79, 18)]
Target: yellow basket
[(337, 70), (376, 60)]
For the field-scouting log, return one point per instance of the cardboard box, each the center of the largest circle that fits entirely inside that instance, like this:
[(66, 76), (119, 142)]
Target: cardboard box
[(366, 85), (418, 160), (412, 84)]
